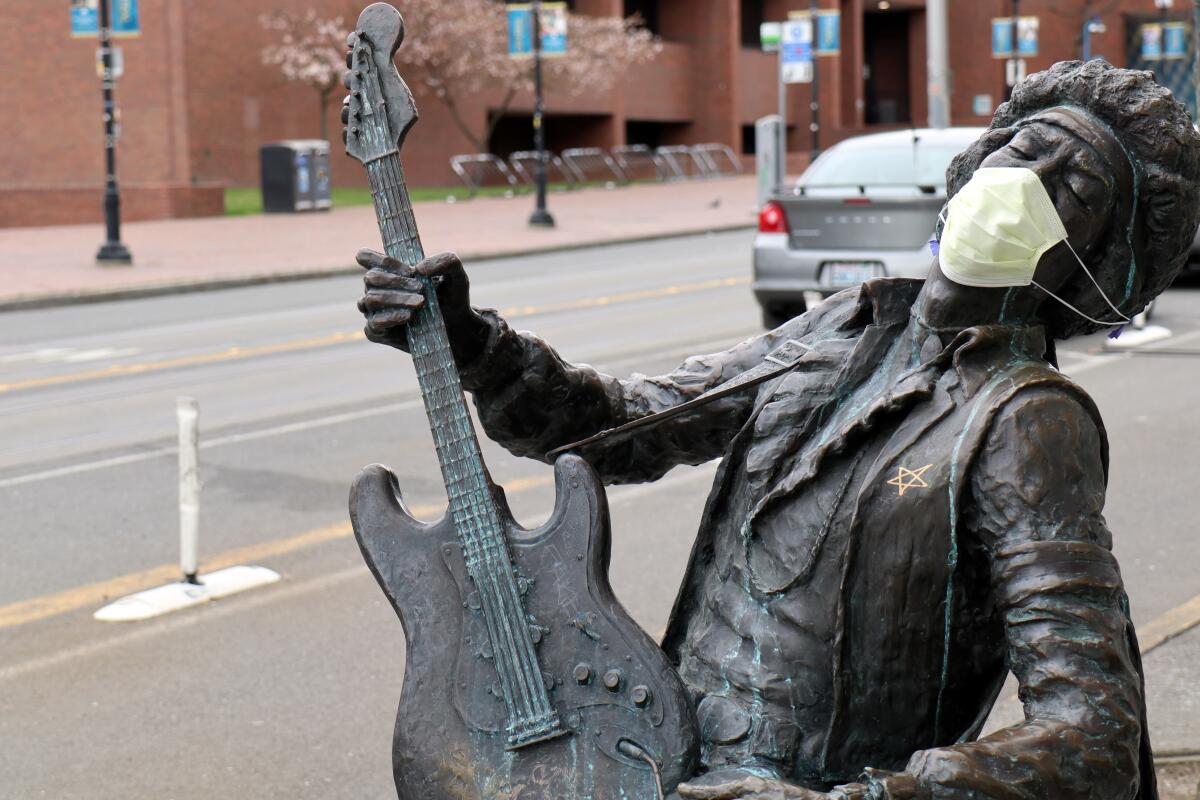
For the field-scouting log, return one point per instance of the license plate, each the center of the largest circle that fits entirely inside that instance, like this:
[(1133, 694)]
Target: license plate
[(850, 273)]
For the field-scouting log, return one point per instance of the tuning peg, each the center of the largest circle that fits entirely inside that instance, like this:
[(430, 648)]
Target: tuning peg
[(346, 77), (346, 111), (349, 58)]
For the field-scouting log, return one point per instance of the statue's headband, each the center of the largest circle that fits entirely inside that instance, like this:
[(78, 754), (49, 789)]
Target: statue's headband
[(1095, 133)]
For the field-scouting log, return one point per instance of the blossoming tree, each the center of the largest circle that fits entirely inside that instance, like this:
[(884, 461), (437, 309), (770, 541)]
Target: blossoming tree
[(309, 49)]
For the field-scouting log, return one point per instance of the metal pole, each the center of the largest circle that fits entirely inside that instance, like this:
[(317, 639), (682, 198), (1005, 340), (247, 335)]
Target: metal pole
[(815, 105), (1016, 48), (187, 411), (1087, 40), (112, 251), (938, 89), (541, 217), (781, 166)]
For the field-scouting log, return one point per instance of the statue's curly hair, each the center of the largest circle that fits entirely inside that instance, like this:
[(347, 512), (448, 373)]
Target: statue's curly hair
[(1157, 133)]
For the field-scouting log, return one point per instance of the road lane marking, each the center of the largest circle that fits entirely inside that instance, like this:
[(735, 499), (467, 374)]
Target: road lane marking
[(316, 422), (285, 591), (51, 605), (216, 441), (241, 353)]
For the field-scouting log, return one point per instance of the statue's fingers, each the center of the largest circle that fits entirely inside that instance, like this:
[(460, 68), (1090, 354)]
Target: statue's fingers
[(378, 300), (384, 321), (379, 279), (440, 264), (373, 259)]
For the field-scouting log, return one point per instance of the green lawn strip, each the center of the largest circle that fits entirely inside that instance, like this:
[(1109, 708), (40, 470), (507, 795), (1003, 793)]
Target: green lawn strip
[(248, 200)]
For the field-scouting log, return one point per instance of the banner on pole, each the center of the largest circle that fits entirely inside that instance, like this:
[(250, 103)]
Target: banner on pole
[(1152, 42), (554, 30), (1028, 33), (829, 33), (1175, 40), (85, 18)]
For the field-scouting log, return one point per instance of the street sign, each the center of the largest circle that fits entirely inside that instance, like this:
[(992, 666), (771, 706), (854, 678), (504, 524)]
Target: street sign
[(520, 30), (1175, 39), (118, 62), (770, 34), (85, 18), (1152, 42), (1027, 37), (829, 33), (797, 52), (1014, 71)]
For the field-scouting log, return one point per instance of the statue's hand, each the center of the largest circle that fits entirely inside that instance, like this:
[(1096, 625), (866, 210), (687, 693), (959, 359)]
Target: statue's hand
[(394, 292), (749, 788)]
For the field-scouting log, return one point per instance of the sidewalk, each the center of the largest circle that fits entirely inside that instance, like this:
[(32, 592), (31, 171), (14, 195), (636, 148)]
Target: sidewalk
[(54, 265)]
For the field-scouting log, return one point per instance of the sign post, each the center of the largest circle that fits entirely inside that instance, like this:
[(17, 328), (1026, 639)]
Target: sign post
[(112, 252)]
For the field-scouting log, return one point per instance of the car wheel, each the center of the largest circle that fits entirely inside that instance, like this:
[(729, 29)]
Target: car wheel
[(774, 316)]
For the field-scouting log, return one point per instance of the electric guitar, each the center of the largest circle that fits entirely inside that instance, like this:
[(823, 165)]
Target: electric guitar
[(525, 679)]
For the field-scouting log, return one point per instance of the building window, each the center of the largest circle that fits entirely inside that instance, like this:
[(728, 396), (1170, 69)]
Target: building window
[(647, 10), (753, 16)]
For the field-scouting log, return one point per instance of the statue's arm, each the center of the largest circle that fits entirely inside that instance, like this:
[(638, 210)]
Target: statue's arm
[(531, 401), (1039, 492)]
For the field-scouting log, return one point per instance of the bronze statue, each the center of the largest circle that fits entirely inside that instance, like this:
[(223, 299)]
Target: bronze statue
[(911, 504)]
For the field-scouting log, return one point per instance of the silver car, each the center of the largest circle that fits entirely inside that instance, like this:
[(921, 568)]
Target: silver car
[(866, 208)]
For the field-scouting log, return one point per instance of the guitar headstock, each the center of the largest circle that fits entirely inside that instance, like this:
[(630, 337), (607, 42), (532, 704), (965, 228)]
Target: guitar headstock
[(379, 109)]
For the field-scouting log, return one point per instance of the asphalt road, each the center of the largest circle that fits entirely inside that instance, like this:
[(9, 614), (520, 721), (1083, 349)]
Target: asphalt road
[(290, 691)]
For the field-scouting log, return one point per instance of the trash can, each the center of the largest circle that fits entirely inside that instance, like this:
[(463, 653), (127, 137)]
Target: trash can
[(295, 176)]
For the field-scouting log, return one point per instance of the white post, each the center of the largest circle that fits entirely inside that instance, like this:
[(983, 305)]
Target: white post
[(188, 413), (937, 35)]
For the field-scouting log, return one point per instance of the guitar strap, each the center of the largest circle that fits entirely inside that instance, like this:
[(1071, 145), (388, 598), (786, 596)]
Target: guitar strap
[(780, 360)]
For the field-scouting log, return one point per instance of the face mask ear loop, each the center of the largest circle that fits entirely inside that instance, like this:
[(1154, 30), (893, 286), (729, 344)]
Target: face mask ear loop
[(1077, 311), (1095, 283)]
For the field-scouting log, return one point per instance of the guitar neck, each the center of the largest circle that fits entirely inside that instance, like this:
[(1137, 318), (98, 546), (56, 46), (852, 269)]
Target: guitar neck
[(457, 445)]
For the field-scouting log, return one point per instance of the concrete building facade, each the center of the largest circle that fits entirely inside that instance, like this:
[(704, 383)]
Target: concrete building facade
[(196, 102)]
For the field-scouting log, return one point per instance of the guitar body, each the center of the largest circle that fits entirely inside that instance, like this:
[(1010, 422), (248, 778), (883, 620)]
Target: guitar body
[(606, 678)]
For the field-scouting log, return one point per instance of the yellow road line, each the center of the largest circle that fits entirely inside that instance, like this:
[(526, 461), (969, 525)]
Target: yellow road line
[(239, 353), (93, 594), (1178, 620)]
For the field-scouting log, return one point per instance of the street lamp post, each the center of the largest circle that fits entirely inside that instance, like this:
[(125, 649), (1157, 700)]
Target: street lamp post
[(1016, 48), (815, 104), (112, 251), (541, 217), (1164, 6)]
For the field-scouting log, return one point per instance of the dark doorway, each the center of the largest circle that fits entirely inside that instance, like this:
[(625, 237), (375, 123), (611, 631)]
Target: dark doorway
[(647, 10), (886, 78)]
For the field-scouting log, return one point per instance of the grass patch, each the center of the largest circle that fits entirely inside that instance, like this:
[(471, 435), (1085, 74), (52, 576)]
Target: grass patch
[(248, 200)]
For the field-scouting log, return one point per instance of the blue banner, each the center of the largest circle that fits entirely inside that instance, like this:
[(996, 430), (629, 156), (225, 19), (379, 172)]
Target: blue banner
[(1002, 38), (1152, 42), (520, 31), (125, 20), (1175, 40), (829, 33), (85, 18), (554, 30)]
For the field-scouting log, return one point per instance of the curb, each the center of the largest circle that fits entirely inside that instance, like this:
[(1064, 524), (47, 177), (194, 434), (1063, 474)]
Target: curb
[(52, 300)]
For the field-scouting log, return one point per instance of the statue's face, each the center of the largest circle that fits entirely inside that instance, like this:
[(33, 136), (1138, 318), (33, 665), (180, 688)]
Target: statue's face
[(1084, 171)]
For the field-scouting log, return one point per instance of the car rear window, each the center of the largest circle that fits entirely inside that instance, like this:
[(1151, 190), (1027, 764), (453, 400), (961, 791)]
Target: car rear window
[(887, 165)]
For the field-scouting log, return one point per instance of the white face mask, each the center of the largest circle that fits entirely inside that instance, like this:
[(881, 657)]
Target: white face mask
[(1000, 225)]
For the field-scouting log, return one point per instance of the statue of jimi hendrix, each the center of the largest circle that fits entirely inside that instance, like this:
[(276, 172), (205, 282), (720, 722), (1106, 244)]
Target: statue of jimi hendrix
[(914, 507)]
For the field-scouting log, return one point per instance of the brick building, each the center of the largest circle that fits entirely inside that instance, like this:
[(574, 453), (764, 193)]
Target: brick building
[(196, 102)]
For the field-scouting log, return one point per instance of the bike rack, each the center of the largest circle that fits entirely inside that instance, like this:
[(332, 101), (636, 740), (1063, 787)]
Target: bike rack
[(524, 166), (475, 170), (585, 161), (638, 158)]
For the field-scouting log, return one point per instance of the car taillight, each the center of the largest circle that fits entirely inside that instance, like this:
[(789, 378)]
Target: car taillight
[(772, 219)]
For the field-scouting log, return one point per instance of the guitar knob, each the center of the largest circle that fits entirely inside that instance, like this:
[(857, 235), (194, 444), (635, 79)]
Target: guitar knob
[(612, 680), (583, 674), (641, 696)]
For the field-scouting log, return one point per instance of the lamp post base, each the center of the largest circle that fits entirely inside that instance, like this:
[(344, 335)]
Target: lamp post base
[(541, 218), (113, 254)]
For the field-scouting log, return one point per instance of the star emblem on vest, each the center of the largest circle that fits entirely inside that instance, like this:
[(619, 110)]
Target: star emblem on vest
[(910, 479)]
